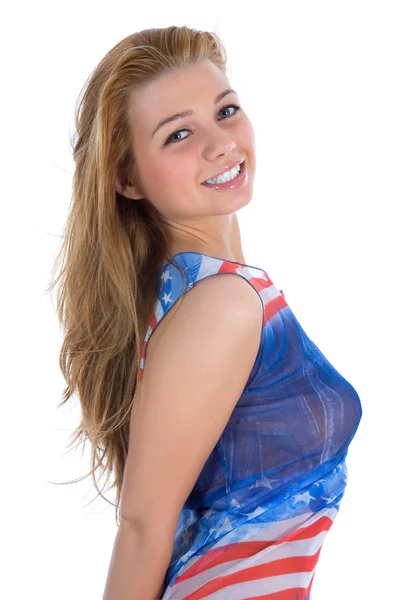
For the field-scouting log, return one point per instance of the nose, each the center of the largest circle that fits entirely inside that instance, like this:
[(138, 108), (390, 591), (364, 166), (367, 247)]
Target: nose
[(221, 145)]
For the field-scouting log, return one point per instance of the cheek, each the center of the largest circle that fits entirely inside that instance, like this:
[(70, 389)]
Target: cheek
[(169, 182), (158, 179), (172, 173), (248, 132)]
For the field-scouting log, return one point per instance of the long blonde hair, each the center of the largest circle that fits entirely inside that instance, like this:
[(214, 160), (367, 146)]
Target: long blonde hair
[(112, 246)]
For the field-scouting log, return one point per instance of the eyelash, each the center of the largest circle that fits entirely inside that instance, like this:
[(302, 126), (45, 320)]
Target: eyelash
[(238, 109)]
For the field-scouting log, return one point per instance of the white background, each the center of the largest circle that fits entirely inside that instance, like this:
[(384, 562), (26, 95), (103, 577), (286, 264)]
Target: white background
[(320, 83)]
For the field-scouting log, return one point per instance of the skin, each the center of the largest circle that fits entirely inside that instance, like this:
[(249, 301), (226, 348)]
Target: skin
[(169, 177)]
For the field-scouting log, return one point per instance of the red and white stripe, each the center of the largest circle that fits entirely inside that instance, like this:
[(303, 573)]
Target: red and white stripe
[(276, 563)]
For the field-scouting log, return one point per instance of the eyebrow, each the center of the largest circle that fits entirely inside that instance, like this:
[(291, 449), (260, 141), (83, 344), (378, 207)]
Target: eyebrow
[(189, 111)]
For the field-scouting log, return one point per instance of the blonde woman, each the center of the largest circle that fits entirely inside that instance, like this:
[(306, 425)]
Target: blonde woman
[(224, 428)]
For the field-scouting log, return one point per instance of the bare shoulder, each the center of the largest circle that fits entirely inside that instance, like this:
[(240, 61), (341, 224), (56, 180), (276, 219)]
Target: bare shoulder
[(195, 372)]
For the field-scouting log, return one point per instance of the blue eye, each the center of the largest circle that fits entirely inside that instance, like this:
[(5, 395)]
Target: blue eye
[(169, 139)]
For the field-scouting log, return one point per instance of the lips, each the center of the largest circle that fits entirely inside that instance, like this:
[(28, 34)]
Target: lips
[(224, 170)]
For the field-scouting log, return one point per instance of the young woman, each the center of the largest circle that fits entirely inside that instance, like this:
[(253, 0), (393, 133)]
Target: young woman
[(223, 425)]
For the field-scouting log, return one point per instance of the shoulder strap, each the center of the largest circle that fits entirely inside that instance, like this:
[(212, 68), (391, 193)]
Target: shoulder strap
[(196, 267)]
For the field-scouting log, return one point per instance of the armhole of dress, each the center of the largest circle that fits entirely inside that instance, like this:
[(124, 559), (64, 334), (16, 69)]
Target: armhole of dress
[(159, 314), (190, 283)]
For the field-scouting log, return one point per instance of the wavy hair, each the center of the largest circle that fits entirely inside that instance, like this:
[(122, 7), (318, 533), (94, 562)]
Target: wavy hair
[(112, 246)]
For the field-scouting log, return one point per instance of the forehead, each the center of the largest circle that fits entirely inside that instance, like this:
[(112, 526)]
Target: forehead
[(179, 89)]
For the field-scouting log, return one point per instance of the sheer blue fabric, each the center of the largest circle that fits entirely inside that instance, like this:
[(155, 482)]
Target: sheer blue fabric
[(279, 466)]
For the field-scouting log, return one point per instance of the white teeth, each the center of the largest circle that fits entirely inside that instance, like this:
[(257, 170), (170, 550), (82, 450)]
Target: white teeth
[(225, 177)]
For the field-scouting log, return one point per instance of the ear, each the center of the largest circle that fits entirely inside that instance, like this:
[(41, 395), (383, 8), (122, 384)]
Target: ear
[(126, 188)]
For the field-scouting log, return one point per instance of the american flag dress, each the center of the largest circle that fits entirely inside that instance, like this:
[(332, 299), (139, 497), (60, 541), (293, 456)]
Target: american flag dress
[(254, 523)]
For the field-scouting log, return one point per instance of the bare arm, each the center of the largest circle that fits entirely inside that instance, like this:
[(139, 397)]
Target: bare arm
[(138, 565), (197, 365)]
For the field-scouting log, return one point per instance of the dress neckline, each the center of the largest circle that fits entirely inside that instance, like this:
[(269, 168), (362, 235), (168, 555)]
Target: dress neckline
[(215, 258)]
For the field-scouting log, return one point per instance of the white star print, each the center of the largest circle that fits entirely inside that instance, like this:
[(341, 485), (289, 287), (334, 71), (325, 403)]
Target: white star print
[(266, 483), (166, 298), (186, 536), (255, 512), (304, 497), (226, 524), (165, 276), (327, 498)]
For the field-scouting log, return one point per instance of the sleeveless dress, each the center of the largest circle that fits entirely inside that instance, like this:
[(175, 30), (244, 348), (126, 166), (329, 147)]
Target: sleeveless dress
[(253, 525)]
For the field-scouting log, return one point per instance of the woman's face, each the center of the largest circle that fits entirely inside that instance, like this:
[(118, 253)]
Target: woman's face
[(173, 160)]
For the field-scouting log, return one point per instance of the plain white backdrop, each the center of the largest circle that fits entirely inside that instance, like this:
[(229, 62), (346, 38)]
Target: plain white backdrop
[(320, 83)]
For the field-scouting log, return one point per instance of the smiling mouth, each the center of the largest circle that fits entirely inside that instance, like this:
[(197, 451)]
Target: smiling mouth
[(240, 165)]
